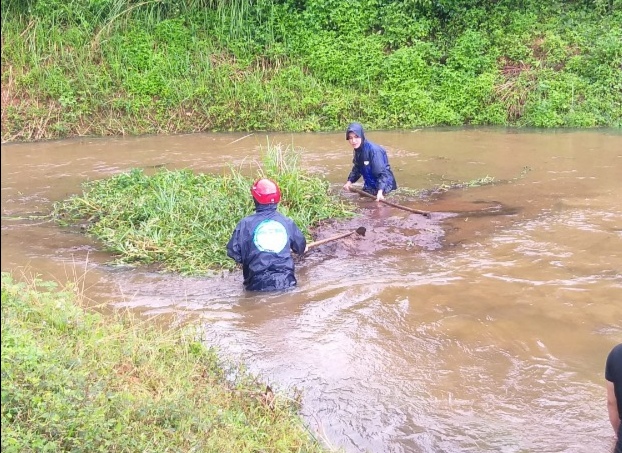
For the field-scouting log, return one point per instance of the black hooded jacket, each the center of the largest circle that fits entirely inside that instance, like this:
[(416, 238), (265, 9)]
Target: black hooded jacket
[(262, 243), (613, 373), (371, 162)]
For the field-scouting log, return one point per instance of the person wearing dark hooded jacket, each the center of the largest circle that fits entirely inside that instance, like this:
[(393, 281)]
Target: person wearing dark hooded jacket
[(613, 376), (371, 162), (262, 242)]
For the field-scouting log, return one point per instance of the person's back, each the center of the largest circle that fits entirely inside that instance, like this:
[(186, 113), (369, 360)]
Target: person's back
[(613, 376), (262, 242)]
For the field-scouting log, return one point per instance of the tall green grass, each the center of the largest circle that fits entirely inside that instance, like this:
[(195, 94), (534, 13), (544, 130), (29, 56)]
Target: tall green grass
[(119, 67), (182, 221)]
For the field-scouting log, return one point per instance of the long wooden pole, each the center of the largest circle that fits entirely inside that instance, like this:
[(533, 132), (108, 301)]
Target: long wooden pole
[(359, 230), (395, 205)]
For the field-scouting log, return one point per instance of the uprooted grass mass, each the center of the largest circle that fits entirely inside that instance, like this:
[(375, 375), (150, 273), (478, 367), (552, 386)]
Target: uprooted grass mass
[(182, 221)]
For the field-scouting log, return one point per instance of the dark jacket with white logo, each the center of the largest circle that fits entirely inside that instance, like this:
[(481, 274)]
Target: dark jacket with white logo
[(262, 243), (371, 162)]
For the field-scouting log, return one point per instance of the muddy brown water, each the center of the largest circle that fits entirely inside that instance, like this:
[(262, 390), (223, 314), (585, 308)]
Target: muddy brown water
[(482, 329)]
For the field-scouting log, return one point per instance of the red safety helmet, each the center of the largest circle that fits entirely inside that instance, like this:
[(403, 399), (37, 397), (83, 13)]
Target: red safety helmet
[(265, 191)]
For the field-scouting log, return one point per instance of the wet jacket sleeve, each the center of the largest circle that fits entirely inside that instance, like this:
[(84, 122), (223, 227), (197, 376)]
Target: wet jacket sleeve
[(234, 249), (355, 174), (298, 243), (379, 165)]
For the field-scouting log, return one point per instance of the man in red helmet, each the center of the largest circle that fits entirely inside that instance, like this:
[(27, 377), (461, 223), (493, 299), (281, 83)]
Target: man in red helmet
[(262, 242)]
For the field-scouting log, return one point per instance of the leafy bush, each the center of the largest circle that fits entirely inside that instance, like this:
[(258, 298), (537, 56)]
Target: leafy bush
[(175, 66)]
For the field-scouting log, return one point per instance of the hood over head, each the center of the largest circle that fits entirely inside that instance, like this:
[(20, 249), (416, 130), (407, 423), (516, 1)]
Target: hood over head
[(357, 128)]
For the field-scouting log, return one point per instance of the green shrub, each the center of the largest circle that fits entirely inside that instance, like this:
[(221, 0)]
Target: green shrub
[(106, 67), (74, 380)]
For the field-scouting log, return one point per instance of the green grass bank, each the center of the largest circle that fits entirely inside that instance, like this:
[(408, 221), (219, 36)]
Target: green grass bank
[(74, 380), (115, 67)]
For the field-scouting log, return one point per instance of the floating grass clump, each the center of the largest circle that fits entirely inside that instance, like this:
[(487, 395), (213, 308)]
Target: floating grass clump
[(181, 221), (439, 189), (74, 380)]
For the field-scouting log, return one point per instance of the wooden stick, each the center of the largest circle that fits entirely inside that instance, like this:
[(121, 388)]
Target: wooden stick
[(359, 230), (405, 208)]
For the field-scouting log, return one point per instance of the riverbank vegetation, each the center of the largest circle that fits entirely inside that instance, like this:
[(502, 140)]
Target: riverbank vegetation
[(74, 380), (182, 221), (110, 67)]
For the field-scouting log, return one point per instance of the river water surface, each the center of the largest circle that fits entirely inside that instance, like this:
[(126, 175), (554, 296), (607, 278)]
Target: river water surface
[(482, 329)]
